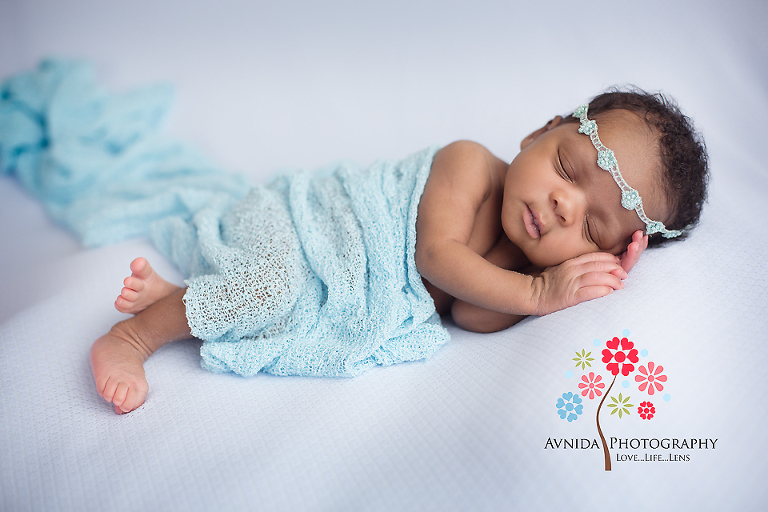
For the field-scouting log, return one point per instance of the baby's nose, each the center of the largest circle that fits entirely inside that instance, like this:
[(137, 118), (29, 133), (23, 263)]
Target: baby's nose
[(568, 206)]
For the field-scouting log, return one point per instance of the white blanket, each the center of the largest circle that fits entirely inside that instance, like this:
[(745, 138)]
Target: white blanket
[(475, 427)]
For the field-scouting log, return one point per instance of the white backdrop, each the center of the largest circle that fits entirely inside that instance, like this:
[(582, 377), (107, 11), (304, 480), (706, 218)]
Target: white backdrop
[(263, 86)]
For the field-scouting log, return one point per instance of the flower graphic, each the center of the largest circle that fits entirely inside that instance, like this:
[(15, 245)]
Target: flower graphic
[(646, 410), (569, 406), (651, 378), (619, 360), (591, 385), (583, 359), (621, 405)]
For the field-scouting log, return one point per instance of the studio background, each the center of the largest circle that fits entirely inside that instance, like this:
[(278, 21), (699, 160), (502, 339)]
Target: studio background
[(266, 86)]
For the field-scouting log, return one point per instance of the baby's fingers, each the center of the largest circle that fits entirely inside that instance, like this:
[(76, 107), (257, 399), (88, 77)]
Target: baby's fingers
[(595, 285), (632, 255), (591, 279), (602, 265), (594, 257), (593, 292)]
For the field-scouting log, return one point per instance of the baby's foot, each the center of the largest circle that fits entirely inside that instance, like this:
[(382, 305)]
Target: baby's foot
[(117, 362), (142, 288)]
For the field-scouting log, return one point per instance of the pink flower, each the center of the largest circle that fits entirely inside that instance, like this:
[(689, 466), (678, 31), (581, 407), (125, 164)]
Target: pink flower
[(591, 385), (622, 358), (651, 378), (646, 410)]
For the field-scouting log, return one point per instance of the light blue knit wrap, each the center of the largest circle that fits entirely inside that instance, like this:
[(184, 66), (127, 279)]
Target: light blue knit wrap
[(309, 275)]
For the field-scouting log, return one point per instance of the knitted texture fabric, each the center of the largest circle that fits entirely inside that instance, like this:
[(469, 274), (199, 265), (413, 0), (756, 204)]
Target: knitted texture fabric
[(312, 274), (96, 160)]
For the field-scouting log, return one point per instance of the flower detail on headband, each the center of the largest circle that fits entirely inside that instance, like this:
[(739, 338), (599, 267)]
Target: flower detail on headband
[(606, 159), (655, 227), (588, 127), (630, 198)]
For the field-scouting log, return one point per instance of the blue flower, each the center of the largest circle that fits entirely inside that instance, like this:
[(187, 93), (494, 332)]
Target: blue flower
[(606, 159), (569, 406), (581, 110), (653, 227), (588, 127), (630, 199)]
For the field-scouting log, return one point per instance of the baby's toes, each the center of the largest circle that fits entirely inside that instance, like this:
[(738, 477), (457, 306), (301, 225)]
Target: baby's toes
[(123, 305), (120, 393), (134, 398), (134, 283), (107, 388), (141, 268), (129, 295)]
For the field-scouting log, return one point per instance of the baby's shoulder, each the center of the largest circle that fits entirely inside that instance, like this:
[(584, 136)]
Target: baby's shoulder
[(469, 162), (468, 150)]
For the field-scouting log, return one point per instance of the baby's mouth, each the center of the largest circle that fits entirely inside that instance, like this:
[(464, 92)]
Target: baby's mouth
[(531, 225)]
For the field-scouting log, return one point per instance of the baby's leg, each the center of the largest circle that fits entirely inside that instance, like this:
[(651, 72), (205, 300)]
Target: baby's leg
[(142, 288), (117, 358)]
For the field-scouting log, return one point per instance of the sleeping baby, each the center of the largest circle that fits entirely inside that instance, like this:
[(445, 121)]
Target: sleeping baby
[(331, 273), (494, 242)]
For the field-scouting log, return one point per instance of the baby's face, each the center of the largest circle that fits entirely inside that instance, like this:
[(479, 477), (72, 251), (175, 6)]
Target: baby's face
[(558, 204)]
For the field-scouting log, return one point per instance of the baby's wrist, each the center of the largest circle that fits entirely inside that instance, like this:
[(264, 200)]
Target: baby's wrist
[(536, 287)]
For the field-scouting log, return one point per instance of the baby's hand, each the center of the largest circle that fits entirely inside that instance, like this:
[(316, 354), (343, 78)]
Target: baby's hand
[(581, 279), (636, 247)]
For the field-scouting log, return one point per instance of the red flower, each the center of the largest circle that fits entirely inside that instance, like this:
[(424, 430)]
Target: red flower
[(651, 378), (646, 410), (591, 385), (620, 357)]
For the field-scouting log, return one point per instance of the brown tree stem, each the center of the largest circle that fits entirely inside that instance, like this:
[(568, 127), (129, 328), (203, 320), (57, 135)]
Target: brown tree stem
[(600, 431)]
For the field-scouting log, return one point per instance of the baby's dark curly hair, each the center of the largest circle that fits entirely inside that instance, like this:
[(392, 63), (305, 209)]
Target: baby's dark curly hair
[(682, 152)]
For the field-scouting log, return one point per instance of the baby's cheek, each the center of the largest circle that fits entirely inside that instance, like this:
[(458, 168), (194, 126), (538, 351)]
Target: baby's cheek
[(550, 258)]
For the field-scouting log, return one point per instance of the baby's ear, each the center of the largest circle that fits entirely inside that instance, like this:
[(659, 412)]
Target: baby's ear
[(535, 135)]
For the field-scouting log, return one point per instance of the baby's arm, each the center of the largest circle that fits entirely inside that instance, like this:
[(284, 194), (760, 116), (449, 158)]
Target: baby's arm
[(464, 178), (464, 187), (476, 319)]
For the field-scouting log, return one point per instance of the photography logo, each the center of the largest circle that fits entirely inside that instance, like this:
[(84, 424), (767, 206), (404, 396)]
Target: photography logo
[(614, 377)]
